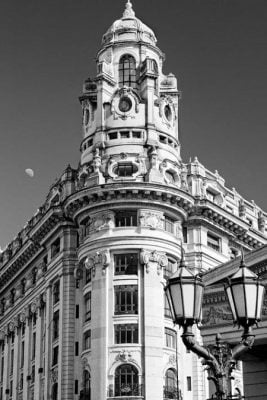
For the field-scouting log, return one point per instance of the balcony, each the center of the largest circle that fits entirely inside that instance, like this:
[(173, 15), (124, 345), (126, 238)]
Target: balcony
[(126, 392)]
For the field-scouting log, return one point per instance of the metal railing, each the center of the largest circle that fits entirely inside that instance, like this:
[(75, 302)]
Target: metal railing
[(125, 390)]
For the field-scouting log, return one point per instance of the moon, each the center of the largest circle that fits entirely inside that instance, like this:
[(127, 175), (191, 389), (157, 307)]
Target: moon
[(29, 172)]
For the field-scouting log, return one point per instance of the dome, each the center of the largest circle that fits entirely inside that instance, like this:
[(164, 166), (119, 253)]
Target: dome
[(129, 28)]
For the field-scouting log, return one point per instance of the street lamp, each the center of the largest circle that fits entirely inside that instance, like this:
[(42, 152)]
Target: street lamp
[(245, 294)]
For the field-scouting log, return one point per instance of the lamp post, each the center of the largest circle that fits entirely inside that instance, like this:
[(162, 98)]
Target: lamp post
[(245, 294)]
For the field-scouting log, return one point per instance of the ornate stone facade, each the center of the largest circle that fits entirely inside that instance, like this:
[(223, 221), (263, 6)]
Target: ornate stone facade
[(81, 286)]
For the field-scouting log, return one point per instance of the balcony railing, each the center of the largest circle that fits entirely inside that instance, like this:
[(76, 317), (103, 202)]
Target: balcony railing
[(125, 391), (231, 397)]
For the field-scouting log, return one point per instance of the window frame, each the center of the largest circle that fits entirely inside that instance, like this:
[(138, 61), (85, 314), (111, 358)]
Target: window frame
[(121, 268), (122, 295), (128, 331), (127, 71)]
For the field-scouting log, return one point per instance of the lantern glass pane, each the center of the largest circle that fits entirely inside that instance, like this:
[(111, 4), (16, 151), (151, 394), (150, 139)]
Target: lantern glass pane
[(238, 294), (188, 293), (251, 298), (198, 301), (231, 302), (176, 296), (260, 301)]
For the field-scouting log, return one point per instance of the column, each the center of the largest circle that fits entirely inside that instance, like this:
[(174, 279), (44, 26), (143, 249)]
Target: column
[(27, 358), (38, 359), (5, 374), (47, 338), (153, 323), (16, 364)]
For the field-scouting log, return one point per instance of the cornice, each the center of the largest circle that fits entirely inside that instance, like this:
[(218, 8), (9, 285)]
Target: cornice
[(92, 197), (233, 225)]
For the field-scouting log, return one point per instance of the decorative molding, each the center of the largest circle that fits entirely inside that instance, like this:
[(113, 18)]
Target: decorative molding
[(151, 219), (96, 258), (148, 257)]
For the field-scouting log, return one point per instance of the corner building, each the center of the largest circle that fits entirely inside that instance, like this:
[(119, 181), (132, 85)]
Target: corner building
[(83, 312)]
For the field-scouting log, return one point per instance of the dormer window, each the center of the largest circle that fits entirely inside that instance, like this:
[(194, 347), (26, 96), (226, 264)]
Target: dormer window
[(127, 71)]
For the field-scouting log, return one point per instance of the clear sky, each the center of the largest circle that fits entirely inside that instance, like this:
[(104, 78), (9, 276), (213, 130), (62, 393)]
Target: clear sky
[(216, 48)]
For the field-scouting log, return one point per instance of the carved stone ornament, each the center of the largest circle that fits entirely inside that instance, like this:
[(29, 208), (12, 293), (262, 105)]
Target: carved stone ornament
[(167, 110), (148, 258), (33, 307), (11, 326), (101, 258), (18, 291), (2, 336), (151, 219), (22, 317), (172, 359), (78, 272), (54, 375), (171, 173), (125, 103), (101, 221), (137, 164), (123, 356)]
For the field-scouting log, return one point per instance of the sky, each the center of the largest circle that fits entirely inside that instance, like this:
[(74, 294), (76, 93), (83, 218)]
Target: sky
[(216, 49)]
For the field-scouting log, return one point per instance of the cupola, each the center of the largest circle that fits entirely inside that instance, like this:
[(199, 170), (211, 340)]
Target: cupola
[(129, 28)]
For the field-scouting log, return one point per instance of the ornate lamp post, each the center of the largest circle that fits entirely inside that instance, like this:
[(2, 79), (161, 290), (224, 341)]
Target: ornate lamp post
[(245, 294)]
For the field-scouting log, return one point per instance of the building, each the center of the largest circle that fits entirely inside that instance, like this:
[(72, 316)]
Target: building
[(83, 313)]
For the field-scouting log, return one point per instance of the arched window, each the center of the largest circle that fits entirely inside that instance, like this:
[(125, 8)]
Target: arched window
[(127, 71), (126, 381), (87, 385), (55, 391), (170, 389)]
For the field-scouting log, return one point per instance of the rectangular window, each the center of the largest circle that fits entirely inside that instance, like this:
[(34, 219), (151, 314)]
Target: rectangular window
[(113, 135), (125, 169), (126, 218), (76, 387), (126, 299), (88, 275), (11, 389), (77, 311), (126, 264), (11, 361), (169, 224), (213, 241), (189, 383), (33, 345), (56, 292), (170, 268), (87, 340), (55, 247), (136, 135), (55, 356), (125, 135), (22, 354), (33, 374), (185, 234), (126, 333), (76, 349), (87, 306), (21, 382), (56, 325), (170, 338)]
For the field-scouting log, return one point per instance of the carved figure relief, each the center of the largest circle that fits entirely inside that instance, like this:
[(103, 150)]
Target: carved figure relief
[(101, 221), (154, 174)]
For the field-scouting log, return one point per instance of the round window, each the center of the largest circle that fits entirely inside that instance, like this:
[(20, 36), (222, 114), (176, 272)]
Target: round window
[(125, 104), (168, 112)]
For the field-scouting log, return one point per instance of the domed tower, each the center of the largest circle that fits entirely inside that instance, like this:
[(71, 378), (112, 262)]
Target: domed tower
[(130, 212)]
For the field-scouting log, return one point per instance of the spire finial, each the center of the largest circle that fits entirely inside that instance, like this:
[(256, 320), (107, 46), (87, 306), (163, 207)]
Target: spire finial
[(128, 12)]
